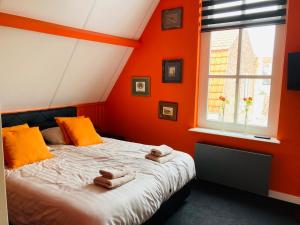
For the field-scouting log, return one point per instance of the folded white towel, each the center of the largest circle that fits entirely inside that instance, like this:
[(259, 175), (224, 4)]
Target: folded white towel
[(113, 173), (161, 150), (162, 159), (114, 183)]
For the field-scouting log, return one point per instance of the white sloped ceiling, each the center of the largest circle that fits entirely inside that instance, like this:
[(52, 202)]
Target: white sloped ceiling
[(89, 72), (41, 70)]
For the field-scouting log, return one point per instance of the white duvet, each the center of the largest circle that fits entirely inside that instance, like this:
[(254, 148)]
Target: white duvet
[(60, 191)]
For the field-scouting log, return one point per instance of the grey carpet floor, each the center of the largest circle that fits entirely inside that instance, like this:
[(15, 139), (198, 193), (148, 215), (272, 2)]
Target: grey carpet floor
[(210, 204)]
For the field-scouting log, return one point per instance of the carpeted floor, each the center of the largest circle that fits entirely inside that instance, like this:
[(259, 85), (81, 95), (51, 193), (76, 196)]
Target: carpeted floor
[(211, 204)]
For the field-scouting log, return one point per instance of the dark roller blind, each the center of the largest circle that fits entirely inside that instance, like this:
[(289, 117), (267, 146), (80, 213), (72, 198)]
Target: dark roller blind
[(231, 14)]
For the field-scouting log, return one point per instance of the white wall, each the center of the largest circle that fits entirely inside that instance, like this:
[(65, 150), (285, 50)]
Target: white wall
[(40, 70), (3, 208)]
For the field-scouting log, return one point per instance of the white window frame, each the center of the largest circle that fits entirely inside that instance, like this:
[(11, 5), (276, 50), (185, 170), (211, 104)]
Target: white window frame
[(275, 92)]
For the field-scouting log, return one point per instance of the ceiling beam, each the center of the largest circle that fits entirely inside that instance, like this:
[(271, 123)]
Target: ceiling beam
[(25, 23)]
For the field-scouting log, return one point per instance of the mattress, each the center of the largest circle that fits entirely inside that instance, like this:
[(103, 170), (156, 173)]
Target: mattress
[(60, 190)]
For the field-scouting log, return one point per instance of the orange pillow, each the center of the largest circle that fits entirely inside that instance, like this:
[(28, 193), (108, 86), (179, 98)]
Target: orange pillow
[(59, 121), (24, 146), (5, 130), (82, 132)]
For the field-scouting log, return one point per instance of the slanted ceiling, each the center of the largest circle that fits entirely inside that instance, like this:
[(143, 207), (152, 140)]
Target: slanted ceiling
[(39, 70)]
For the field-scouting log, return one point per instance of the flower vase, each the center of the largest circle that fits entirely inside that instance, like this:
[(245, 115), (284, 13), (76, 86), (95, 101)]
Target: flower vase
[(246, 122), (223, 119)]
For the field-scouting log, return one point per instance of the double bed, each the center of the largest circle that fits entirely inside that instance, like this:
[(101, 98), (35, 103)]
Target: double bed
[(60, 190)]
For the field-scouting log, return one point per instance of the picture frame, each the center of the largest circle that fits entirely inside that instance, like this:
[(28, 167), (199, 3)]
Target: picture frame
[(172, 18), (140, 86), (172, 71), (168, 110)]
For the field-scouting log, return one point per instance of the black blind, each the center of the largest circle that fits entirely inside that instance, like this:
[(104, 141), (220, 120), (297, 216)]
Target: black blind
[(230, 14)]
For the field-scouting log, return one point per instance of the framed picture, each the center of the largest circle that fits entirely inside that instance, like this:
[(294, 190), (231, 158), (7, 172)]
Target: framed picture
[(172, 18), (168, 110), (172, 71), (141, 86)]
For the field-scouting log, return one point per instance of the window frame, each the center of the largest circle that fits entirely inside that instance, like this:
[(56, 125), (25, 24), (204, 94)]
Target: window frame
[(275, 89)]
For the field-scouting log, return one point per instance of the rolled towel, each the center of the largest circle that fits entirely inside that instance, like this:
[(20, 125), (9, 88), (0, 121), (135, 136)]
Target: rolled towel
[(161, 150), (162, 159), (113, 173), (114, 183)]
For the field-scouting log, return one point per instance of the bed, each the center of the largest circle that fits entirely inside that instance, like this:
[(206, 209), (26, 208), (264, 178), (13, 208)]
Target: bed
[(61, 190)]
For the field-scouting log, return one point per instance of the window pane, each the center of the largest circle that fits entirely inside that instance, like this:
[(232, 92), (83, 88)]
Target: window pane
[(257, 111), (223, 52), (257, 50), (217, 88)]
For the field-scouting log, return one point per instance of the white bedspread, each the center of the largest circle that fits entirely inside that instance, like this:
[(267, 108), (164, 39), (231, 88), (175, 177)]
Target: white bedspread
[(60, 191)]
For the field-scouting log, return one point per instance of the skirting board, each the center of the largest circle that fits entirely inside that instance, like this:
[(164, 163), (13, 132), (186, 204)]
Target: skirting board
[(284, 197)]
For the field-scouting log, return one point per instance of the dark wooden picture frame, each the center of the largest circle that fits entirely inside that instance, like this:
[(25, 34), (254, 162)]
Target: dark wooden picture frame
[(140, 86), (168, 110), (172, 71), (172, 18)]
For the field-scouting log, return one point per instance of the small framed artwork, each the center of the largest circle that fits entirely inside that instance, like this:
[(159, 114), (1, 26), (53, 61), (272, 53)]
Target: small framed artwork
[(172, 71), (168, 110), (141, 86), (172, 18)]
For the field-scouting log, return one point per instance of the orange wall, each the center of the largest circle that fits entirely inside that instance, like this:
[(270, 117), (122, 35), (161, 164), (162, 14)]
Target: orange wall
[(95, 111), (136, 118)]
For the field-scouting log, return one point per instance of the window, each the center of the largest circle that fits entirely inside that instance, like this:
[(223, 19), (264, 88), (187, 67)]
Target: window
[(241, 63), (240, 79)]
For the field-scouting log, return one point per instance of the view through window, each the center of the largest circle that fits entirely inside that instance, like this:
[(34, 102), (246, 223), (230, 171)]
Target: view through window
[(240, 76)]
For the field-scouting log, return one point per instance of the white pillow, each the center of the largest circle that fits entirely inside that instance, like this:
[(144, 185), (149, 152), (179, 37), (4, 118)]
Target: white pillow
[(54, 136)]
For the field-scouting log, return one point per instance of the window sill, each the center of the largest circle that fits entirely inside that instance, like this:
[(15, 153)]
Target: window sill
[(234, 134)]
